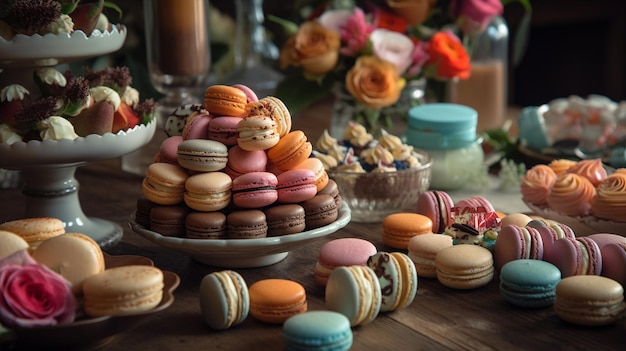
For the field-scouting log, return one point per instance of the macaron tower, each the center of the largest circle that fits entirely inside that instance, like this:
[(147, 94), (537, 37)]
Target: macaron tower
[(234, 153)]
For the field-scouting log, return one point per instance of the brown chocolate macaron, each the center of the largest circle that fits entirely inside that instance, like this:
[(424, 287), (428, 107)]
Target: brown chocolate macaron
[(246, 224), (320, 210), (285, 219), (169, 220), (206, 225), (142, 213), (332, 190)]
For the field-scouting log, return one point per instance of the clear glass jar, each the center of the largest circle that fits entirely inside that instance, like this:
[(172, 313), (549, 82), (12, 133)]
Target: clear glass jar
[(486, 88), (447, 132)]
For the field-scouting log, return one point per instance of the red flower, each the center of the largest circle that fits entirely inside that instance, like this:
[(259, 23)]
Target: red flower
[(447, 57)]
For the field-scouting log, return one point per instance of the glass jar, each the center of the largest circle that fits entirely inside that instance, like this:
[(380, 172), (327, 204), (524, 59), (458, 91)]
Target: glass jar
[(447, 132), (486, 88)]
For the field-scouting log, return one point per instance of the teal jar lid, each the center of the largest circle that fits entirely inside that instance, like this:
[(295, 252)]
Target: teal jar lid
[(441, 126)]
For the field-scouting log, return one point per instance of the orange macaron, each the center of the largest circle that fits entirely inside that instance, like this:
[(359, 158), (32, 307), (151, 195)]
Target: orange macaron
[(290, 150), (399, 228), (224, 100), (275, 300)]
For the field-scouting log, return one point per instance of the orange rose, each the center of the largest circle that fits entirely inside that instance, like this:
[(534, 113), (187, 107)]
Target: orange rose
[(374, 82), (314, 47), (447, 57), (415, 12)]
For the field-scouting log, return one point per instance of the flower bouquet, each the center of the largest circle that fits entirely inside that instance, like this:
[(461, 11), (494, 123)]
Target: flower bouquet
[(373, 50)]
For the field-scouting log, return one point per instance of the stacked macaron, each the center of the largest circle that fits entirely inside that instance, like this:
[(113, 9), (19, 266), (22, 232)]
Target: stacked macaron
[(65, 268), (235, 153)]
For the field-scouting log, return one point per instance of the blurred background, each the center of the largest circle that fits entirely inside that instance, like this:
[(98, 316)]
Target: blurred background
[(575, 47)]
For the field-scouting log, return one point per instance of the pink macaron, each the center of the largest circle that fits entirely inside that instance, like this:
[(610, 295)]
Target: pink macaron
[(250, 94), (436, 205), (603, 239), (168, 152), (296, 185), (255, 190), (614, 262), (516, 242), (224, 129), (579, 256), (551, 232), (197, 127), (342, 252), (476, 202), (242, 161)]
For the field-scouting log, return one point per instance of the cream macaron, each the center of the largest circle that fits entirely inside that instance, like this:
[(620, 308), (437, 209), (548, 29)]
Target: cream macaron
[(74, 256), (10, 243), (123, 290), (224, 299), (35, 230)]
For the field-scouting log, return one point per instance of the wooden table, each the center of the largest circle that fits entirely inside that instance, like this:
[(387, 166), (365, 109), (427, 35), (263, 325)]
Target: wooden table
[(440, 318)]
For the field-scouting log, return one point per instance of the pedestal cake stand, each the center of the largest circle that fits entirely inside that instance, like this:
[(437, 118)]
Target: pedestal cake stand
[(48, 167)]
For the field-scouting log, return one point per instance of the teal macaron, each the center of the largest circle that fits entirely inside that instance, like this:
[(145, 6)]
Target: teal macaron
[(317, 330), (529, 283)]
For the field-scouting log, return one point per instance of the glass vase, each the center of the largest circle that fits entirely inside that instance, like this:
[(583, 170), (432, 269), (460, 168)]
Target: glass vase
[(393, 118), (486, 88)]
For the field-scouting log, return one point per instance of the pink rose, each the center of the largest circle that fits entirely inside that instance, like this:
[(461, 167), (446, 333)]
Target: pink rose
[(420, 56), (394, 47), (32, 294), (473, 16), (351, 25)]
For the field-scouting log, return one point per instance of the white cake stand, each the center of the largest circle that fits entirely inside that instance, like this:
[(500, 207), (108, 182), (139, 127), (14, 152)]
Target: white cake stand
[(48, 167)]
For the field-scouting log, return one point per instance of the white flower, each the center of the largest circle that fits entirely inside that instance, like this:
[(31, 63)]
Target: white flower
[(392, 46), (51, 76), (13, 92), (63, 24), (56, 128)]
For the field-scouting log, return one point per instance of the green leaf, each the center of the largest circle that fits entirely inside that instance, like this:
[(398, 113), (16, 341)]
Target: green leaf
[(114, 6), (298, 93), (520, 42)]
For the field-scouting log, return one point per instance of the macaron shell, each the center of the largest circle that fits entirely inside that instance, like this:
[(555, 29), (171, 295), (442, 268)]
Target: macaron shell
[(529, 283), (224, 129), (436, 205), (577, 256), (250, 94), (314, 164), (164, 183), (290, 150), (464, 266), (255, 190), (196, 127), (168, 151), (320, 210), (224, 299), (354, 291), (205, 225), (408, 279), (614, 262), (399, 228), (342, 252), (275, 300), (603, 239), (11, 243), (387, 271), (241, 161), (35, 229), (209, 191), (589, 300), (296, 185), (257, 133), (223, 100), (285, 219), (74, 256), (423, 249), (515, 242), (123, 290), (246, 224), (169, 220), (323, 330), (202, 155)]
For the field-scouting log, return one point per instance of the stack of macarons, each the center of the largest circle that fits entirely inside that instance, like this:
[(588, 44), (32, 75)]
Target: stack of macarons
[(236, 152)]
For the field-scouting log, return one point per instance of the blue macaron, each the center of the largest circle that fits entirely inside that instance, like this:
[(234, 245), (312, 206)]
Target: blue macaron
[(529, 283), (317, 330)]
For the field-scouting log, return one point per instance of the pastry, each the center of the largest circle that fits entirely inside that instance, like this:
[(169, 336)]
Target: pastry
[(576, 256), (515, 242), (296, 185), (436, 205), (332, 190), (614, 262), (589, 300), (536, 184), (241, 161), (11, 243), (164, 183), (397, 278), (423, 249), (518, 219), (552, 232), (399, 228), (610, 200), (202, 155), (285, 219), (320, 210), (168, 151), (123, 290), (314, 164), (571, 195), (354, 291), (257, 133), (74, 256), (255, 190), (196, 126), (246, 224), (290, 151), (224, 299), (35, 230), (592, 169), (275, 300), (273, 108), (169, 220), (529, 283), (464, 266), (210, 191), (142, 213), (250, 94), (475, 202), (223, 100), (341, 252), (318, 330), (224, 129), (205, 225)]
